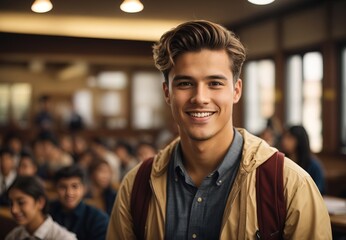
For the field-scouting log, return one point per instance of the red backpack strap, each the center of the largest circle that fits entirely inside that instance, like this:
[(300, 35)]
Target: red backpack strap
[(271, 206), (140, 197)]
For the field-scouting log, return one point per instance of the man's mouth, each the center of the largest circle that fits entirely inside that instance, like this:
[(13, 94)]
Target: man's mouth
[(200, 114)]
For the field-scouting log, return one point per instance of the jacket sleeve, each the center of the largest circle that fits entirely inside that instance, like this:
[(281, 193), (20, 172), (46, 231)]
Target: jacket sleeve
[(307, 215), (120, 223)]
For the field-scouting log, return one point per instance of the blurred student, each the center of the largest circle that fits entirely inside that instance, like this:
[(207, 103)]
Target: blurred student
[(272, 132), (101, 194), (15, 143), (87, 222), (27, 165), (29, 210), (102, 151), (56, 158), (44, 119), (7, 173), (85, 159), (296, 145), (125, 153), (145, 150)]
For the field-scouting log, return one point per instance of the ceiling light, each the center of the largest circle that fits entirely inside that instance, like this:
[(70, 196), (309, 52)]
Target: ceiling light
[(131, 6), (41, 6), (261, 2)]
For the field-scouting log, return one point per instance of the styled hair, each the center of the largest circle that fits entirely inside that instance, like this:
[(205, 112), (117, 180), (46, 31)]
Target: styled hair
[(194, 36), (32, 186), (302, 150), (70, 172)]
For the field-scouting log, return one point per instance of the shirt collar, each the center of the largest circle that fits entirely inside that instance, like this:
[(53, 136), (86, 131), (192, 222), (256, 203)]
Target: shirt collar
[(46, 226), (40, 233), (232, 156)]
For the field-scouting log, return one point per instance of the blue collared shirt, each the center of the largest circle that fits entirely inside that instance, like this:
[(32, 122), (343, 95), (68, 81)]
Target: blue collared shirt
[(196, 213)]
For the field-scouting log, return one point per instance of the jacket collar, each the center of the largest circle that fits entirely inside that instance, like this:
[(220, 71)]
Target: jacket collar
[(255, 152)]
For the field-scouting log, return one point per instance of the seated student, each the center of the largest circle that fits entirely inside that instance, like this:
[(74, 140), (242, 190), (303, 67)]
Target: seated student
[(125, 152), (296, 145), (101, 194), (56, 158), (69, 210), (29, 210), (145, 150), (7, 173), (27, 165)]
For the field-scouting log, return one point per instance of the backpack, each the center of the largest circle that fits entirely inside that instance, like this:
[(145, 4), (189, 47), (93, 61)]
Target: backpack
[(271, 207)]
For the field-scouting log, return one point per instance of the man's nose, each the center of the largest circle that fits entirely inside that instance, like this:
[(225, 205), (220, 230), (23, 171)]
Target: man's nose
[(200, 95)]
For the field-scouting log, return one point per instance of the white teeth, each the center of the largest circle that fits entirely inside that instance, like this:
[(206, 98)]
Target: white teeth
[(201, 114)]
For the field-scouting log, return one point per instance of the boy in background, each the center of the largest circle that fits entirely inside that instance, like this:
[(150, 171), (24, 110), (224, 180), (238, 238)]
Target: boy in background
[(70, 211)]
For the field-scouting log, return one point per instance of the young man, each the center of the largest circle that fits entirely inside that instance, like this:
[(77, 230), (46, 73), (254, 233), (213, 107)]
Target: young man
[(71, 212), (204, 183)]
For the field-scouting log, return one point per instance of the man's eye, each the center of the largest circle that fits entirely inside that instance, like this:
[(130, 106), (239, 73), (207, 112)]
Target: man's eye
[(216, 84), (184, 84)]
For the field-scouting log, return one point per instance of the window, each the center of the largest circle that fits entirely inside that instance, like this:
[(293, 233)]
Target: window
[(112, 99), (148, 100), (82, 102), (259, 94), (20, 101), (343, 100), (304, 95), (15, 105)]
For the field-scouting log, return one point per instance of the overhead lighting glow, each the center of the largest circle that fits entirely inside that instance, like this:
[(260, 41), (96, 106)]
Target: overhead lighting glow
[(131, 6), (261, 2), (41, 6)]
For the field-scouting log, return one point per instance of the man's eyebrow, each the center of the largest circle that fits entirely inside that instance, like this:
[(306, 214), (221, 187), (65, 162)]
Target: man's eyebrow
[(182, 77), (217, 76), (211, 77)]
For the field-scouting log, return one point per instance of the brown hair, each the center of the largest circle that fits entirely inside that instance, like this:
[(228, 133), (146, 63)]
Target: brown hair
[(195, 36)]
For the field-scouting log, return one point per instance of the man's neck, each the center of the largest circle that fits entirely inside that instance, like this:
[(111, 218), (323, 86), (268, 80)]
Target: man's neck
[(202, 157)]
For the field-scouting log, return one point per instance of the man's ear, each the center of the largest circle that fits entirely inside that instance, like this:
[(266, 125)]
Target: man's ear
[(237, 90), (165, 89)]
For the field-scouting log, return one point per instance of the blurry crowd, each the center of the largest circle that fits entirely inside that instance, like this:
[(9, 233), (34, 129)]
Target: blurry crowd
[(104, 164), (77, 175)]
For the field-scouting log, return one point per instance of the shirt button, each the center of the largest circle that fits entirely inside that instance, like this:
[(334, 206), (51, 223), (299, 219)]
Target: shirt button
[(199, 199), (194, 236), (219, 182)]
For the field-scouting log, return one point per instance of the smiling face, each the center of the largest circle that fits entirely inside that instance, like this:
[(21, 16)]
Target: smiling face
[(70, 192), (24, 208), (201, 94)]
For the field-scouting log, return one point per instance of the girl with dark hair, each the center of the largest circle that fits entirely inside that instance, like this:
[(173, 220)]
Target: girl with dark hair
[(29, 209), (296, 145), (101, 193)]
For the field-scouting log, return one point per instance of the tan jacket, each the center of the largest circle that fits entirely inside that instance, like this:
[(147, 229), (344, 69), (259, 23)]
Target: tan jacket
[(307, 216)]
